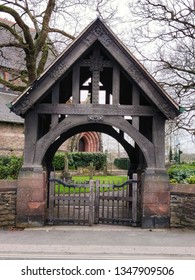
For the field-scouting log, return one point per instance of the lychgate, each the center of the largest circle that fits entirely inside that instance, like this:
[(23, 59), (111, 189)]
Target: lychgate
[(122, 99)]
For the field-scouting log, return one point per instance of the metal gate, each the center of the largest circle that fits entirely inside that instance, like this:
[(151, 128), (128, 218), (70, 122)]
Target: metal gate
[(92, 203)]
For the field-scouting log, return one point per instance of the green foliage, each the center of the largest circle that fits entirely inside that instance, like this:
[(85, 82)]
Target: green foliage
[(182, 173), (78, 159), (173, 181), (10, 166), (122, 163), (84, 160), (191, 180), (58, 161)]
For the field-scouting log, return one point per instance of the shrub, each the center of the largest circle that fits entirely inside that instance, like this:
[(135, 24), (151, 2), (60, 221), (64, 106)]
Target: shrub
[(79, 159), (122, 163), (173, 181), (191, 180), (58, 161), (10, 166), (181, 173)]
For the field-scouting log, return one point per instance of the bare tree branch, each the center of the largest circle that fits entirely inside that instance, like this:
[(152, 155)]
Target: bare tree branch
[(165, 38), (62, 32)]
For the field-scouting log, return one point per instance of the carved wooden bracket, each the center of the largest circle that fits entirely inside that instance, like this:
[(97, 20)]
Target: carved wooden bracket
[(95, 118)]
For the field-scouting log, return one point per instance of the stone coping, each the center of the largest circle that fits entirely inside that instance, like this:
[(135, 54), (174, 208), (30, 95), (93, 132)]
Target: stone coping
[(8, 185), (182, 189)]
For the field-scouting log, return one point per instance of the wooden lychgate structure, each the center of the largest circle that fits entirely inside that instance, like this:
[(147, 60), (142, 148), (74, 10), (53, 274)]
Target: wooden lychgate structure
[(123, 100)]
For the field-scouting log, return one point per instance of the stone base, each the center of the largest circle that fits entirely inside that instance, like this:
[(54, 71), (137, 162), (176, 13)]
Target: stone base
[(155, 200), (31, 198), (156, 222)]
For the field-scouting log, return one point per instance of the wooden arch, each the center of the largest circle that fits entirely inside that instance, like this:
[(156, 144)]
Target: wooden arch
[(44, 143), (86, 127)]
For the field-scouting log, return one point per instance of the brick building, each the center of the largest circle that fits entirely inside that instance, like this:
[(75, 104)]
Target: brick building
[(11, 128)]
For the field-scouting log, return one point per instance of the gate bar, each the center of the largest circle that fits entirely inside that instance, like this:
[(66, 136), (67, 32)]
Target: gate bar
[(97, 201), (91, 189)]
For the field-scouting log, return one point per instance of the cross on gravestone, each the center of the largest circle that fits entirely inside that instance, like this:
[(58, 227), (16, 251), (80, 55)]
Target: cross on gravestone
[(96, 64)]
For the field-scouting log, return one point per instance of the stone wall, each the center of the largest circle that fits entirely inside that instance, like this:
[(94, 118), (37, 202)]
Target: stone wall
[(8, 191), (182, 206)]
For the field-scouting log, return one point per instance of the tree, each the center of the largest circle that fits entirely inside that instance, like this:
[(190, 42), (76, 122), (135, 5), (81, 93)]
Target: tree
[(165, 38), (34, 28)]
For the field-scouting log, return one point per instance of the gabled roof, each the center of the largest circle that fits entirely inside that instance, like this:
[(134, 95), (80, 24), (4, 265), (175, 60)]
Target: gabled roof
[(97, 31), (5, 114)]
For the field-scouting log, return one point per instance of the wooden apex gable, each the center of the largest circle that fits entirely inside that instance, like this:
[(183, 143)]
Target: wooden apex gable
[(97, 31)]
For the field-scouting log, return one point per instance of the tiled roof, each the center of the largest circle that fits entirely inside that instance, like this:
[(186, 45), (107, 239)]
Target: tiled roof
[(5, 114)]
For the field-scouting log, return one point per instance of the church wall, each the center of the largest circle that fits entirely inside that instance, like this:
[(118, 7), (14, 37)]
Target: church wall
[(11, 139)]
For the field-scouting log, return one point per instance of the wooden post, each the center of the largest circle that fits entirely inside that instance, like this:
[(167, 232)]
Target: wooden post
[(135, 101), (66, 174), (76, 84), (55, 100), (158, 137), (96, 66), (134, 199), (97, 201), (91, 171), (91, 190)]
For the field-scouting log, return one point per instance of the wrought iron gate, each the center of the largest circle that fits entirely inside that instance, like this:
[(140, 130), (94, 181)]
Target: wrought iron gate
[(92, 203)]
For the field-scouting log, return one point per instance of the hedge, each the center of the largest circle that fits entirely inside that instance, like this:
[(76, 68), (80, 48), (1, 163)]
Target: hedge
[(10, 166), (79, 159), (122, 163)]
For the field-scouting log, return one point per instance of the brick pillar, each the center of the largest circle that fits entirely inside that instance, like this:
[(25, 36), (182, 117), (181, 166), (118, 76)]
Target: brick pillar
[(31, 197), (155, 200)]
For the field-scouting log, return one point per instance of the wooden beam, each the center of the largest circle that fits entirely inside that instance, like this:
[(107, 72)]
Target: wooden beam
[(96, 109), (135, 101), (115, 85), (76, 84)]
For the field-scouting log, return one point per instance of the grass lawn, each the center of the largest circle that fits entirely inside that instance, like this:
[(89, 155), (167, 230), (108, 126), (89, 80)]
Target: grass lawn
[(113, 180), (117, 180)]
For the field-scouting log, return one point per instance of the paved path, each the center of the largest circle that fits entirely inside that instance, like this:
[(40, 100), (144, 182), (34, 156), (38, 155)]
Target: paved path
[(97, 242)]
